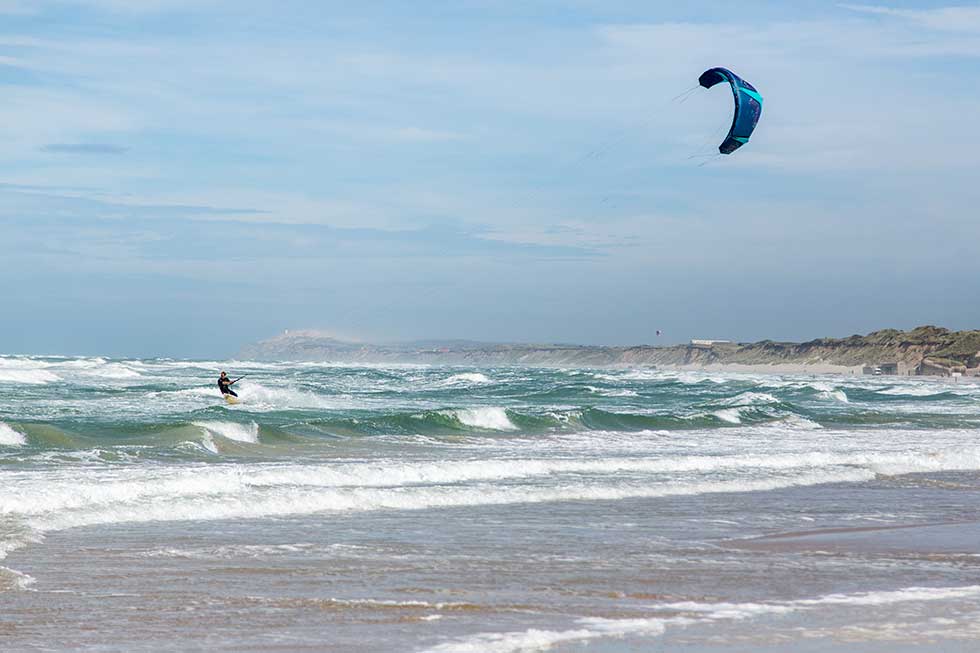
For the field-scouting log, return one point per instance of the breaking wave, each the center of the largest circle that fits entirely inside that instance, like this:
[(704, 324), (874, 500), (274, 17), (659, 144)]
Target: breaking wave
[(493, 419), (88, 496), (466, 378), (33, 377), (230, 431), (205, 494), (835, 394), (11, 438)]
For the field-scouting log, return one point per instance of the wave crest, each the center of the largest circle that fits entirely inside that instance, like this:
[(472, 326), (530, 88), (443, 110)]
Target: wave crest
[(493, 419), (231, 430), (11, 438)]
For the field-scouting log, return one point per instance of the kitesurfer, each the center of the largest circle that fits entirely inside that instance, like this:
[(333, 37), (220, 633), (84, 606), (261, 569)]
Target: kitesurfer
[(224, 384)]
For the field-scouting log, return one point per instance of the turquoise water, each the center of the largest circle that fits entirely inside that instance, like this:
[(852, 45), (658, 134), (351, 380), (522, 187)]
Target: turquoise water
[(501, 509)]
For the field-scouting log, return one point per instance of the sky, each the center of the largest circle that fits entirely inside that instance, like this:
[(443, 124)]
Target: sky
[(178, 177)]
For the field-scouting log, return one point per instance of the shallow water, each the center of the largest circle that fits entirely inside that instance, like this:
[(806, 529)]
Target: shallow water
[(454, 509)]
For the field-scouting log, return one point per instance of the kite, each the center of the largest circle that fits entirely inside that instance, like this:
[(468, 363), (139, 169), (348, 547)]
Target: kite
[(748, 107)]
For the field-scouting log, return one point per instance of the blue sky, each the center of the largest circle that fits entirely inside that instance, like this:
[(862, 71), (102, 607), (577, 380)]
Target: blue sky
[(178, 177)]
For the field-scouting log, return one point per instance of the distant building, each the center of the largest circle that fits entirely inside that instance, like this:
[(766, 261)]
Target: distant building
[(709, 343), (931, 368), (888, 369)]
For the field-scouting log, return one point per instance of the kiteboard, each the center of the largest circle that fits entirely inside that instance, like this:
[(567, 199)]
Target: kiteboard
[(231, 400)]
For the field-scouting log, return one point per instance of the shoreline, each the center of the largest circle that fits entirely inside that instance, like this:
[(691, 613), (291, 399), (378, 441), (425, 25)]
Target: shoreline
[(774, 368), (818, 369)]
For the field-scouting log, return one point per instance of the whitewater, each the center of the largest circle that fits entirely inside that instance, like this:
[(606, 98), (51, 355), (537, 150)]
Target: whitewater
[(426, 508)]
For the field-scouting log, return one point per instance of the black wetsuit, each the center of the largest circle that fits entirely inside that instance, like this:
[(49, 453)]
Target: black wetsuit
[(225, 386)]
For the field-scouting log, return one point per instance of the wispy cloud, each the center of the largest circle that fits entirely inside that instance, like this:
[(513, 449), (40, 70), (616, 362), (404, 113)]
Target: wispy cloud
[(84, 148), (421, 135), (133, 6), (950, 19)]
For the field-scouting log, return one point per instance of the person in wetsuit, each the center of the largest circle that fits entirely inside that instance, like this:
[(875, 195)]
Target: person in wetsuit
[(224, 384)]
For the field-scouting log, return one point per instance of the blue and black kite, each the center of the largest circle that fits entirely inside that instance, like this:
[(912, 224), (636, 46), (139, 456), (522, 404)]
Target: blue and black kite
[(748, 107)]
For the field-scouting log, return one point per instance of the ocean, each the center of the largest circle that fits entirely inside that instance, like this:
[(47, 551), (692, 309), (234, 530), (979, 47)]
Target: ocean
[(449, 509)]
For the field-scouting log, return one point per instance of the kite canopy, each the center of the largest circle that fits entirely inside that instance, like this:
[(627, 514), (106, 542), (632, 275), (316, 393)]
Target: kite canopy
[(748, 107)]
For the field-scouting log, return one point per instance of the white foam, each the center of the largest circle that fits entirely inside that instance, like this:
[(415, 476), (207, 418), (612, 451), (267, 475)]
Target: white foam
[(694, 378), (258, 396), (88, 497), (18, 535), (198, 391), (912, 391), (11, 438), (595, 628), (750, 399), (208, 443), (490, 418), (231, 430), (543, 640), (52, 499), (730, 415), (633, 375), (74, 368), (113, 371), (81, 363), (612, 392), (394, 475), (819, 386), (466, 378), (468, 471), (75, 497), (13, 579), (388, 603), (798, 422), (835, 394), (34, 377), (736, 611), (727, 611), (908, 594), (22, 363), (231, 551), (512, 642), (760, 466)]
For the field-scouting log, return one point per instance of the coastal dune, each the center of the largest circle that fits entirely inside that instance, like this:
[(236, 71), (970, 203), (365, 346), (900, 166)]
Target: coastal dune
[(925, 350)]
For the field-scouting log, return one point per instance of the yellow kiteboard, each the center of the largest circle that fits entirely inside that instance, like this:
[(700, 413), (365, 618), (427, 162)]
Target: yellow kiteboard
[(231, 400)]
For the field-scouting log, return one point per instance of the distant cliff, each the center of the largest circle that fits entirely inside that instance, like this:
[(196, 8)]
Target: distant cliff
[(927, 344), (932, 348)]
